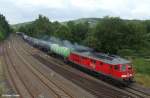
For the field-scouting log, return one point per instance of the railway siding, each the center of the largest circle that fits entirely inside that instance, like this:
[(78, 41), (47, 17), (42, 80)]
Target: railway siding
[(134, 90), (52, 76), (5, 87), (32, 73), (31, 82), (84, 82), (15, 80)]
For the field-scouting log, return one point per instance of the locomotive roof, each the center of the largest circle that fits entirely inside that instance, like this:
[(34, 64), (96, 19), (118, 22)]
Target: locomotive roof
[(110, 59)]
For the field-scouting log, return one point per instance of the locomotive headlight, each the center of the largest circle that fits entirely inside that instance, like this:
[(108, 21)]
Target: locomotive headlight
[(123, 76)]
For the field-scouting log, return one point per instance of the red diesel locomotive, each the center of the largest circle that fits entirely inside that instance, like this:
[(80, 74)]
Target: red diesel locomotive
[(111, 66)]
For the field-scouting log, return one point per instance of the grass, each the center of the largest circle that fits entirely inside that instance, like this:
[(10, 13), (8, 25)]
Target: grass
[(142, 70), (143, 79)]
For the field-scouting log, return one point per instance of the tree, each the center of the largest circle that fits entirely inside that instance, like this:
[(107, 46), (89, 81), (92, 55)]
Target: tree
[(42, 26), (113, 34), (4, 27), (63, 33), (109, 35), (78, 31), (81, 31)]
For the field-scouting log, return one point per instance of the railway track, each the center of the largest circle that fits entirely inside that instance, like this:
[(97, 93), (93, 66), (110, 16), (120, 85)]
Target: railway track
[(95, 90), (137, 87), (137, 92), (50, 84), (100, 93), (27, 81), (14, 78), (134, 91), (24, 63), (61, 92), (35, 89)]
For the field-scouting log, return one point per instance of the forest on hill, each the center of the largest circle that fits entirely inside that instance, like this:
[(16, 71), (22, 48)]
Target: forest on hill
[(4, 27), (110, 34)]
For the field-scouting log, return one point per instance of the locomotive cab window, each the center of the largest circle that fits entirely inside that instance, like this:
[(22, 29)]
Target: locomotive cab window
[(93, 61), (116, 67)]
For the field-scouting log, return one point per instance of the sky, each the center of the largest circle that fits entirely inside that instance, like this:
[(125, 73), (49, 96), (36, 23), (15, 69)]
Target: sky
[(18, 11)]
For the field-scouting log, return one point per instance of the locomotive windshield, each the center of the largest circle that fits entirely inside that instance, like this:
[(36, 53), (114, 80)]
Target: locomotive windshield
[(123, 67)]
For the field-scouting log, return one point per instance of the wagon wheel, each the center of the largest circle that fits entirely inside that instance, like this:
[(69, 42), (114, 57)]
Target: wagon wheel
[(65, 60)]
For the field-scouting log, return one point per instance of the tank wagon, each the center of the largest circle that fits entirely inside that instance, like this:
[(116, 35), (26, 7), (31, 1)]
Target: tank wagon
[(60, 50), (111, 66)]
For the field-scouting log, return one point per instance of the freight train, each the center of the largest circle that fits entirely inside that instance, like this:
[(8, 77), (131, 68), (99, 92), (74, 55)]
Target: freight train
[(111, 66)]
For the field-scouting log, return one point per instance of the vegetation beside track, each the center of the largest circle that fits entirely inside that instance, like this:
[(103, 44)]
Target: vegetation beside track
[(142, 69), (4, 28)]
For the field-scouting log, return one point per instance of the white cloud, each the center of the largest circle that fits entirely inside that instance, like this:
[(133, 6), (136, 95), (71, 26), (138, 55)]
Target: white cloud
[(40, 3), (86, 4), (111, 5), (141, 10), (26, 10)]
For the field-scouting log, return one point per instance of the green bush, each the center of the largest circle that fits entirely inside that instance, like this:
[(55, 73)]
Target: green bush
[(126, 52), (4, 28), (144, 52), (141, 65), (1, 36)]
